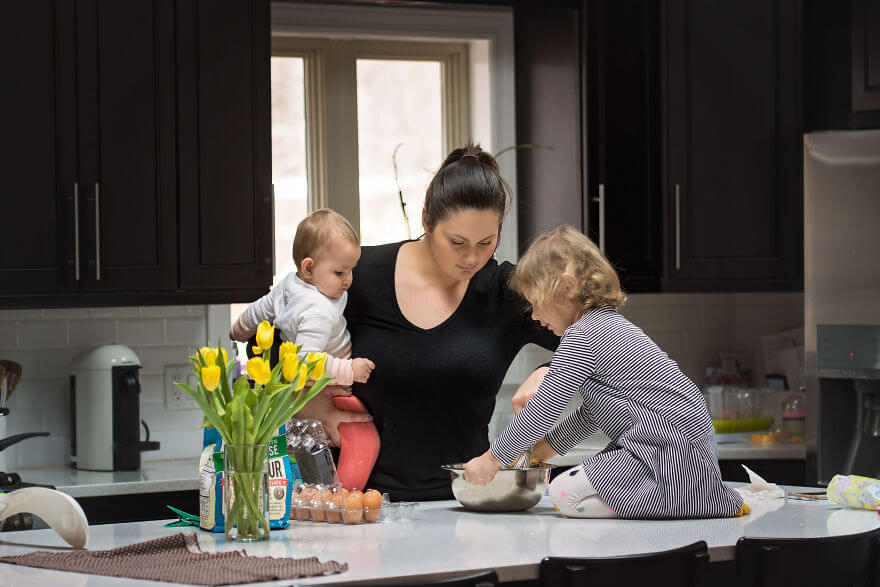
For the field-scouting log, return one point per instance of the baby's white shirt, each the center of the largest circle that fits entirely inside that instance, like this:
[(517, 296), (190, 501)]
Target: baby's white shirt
[(304, 316)]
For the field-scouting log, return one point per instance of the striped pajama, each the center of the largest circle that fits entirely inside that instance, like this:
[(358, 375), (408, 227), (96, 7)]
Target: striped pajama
[(661, 462)]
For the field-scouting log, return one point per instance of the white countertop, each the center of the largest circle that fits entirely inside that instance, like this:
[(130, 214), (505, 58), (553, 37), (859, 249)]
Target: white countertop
[(444, 538), (181, 474), (153, 477)]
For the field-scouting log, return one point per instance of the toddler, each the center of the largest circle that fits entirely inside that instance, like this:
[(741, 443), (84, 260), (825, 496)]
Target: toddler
[(661, 461), (307, 307)]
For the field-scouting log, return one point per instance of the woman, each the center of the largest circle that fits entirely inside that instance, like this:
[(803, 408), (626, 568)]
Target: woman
[(437, 318)]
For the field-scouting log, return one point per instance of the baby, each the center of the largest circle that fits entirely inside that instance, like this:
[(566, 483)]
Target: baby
[(307, 308), (307, 305)]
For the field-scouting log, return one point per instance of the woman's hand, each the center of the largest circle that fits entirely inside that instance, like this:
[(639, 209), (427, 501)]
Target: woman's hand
[(482, 469), (321, 408), (528, 389)]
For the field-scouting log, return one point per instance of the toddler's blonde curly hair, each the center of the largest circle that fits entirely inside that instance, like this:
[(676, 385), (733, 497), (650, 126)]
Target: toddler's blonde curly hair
[(538, 275)]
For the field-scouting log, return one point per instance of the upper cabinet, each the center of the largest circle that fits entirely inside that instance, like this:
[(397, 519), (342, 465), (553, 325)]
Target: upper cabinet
[(224, 140), (694, 143), (622, 195), (137, 152), (842, 64), (731, 148)]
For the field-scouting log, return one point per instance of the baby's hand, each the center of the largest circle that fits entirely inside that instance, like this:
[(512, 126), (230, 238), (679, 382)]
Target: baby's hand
[(362, 369)]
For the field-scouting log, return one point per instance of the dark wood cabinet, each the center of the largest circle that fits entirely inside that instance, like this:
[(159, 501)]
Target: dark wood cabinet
[(135, 153), (38, 162), (127, 168), (842, 64), (732, 145), (225, 160), (623, 137), (548, 115)]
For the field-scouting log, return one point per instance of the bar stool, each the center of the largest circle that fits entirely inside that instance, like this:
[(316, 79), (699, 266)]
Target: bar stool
[(834, 560), (685, 566)]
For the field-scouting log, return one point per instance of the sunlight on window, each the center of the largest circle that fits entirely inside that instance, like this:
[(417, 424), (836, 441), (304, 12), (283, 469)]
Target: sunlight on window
[(399, 102)]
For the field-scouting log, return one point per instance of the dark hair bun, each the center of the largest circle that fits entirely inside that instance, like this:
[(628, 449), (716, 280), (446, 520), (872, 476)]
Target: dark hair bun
[(468, 179)]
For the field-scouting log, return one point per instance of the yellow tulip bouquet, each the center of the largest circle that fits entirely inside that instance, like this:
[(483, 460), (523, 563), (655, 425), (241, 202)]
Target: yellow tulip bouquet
[(248, 417)]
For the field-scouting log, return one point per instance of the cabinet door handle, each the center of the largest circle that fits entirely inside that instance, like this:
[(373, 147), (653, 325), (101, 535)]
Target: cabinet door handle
[(601, 201), (76, 228), (677, 226), (97, 231)]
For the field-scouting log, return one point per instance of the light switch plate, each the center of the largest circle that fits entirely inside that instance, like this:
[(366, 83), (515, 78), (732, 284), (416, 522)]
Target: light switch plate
[(176, 398)]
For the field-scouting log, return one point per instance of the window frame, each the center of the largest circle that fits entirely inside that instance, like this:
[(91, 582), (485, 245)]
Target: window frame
[(488, 32), (330, 91)]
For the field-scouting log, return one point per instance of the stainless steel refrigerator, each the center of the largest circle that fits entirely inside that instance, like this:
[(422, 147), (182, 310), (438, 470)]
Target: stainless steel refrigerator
[(842, 302)]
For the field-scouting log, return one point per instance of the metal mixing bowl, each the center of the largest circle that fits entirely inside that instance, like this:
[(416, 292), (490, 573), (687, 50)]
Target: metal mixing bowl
[(512, 490)]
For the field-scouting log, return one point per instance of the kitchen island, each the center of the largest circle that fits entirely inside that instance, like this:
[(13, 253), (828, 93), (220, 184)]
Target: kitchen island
[(444, 539)]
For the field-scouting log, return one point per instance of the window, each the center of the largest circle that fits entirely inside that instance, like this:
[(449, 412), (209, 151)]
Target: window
[(371, 106)]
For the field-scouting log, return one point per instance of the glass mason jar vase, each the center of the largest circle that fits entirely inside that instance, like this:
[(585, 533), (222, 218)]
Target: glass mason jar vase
[(246, 492)]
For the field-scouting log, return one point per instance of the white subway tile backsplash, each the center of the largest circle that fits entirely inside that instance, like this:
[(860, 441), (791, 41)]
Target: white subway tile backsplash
[(179, 444), (152, 389), (8, 335), (90, 333), (163, 311), (158, 419), (186, 331), (140, 332), (45, 342), (120, 312), (196, 311), (6, 315), (154, 359), (41, 335), (66, 313), (41, 393), (42, 451)]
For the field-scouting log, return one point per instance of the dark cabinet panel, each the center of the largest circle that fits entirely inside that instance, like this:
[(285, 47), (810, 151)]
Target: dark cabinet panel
[(841, 41), (38, 156), (548, 94), (865, 55), (623, 163), (135, 152), (224, 141), (732, 145), (126, 144)]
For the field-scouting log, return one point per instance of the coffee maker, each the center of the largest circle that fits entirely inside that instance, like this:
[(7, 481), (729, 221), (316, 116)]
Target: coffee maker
[(105, 420)]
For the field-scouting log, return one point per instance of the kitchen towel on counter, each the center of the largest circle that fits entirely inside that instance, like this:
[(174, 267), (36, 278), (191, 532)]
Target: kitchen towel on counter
[(854, 491), (178, 559), (758, 488)]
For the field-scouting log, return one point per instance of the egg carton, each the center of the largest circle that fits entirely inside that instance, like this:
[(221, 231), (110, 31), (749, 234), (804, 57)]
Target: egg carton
[(317, 503)]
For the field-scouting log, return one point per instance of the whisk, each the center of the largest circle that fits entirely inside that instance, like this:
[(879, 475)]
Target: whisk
[(523, 461)]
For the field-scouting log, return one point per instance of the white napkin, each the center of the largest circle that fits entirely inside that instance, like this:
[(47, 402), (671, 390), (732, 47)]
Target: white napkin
[(759, 488)]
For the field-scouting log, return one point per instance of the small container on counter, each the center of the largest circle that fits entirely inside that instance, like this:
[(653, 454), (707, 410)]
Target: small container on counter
[(335, 505)]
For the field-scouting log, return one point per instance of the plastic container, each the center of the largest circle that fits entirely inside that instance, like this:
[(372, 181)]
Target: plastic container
[(334, 505), (794, 416)]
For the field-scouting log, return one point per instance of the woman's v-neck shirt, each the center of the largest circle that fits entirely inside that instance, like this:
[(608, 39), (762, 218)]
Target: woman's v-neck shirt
[(433, 391)]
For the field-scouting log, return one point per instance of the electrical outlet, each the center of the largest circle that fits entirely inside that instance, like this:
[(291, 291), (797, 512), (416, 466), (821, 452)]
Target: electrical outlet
[(176, 398)]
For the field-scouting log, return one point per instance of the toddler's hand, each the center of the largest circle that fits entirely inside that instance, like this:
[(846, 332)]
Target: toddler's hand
[(362, 369)]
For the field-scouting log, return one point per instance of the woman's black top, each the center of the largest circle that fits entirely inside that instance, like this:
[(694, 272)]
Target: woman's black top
[(433, 391)]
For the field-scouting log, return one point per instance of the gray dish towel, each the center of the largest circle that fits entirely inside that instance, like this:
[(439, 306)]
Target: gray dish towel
[(178, 559)]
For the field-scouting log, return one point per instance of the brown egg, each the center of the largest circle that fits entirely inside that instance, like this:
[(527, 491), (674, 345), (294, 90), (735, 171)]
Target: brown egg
[(372, 501), (335, 508), (353, 509)]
